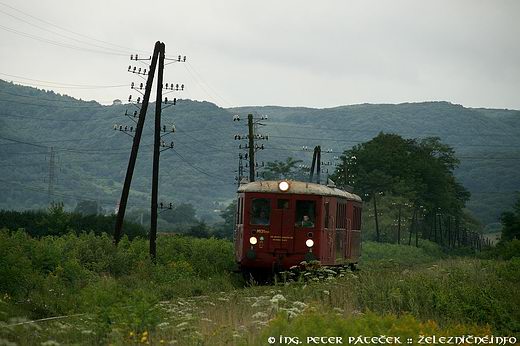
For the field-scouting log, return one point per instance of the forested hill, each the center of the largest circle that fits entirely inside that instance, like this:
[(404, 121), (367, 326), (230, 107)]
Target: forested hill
[(91, 157)]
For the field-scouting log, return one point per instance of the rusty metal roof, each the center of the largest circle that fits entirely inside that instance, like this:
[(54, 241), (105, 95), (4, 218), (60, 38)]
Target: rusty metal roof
[(297, 187)]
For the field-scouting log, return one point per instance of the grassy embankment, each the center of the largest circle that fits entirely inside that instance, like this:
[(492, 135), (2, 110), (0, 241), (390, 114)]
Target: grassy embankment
[(115, 295)]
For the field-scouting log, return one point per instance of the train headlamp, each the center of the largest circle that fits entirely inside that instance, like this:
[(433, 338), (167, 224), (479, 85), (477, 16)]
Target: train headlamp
[(253, 240), (309, 243), (283, 186)]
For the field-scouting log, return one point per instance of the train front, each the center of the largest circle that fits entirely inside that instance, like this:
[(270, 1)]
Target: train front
[(276, 227)]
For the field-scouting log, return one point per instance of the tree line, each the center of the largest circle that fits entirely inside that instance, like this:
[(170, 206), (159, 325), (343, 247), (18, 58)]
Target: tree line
[(408, 187)]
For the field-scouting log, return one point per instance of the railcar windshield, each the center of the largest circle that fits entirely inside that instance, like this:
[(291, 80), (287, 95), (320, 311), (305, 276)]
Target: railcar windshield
[(305, 214), (260, 211)]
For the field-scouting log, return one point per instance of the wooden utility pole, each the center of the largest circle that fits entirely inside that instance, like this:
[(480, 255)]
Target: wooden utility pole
[(313, 164), (399, 225), (135, 147), (251, 146), (240, 170), (318, 165), (156, 153), (440, 230), (417, 230), (412, 226), (376, 218), (345, 174)]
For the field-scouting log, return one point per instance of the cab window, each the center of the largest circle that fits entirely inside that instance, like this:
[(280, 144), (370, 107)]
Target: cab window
[(260, 211), (305, 214)]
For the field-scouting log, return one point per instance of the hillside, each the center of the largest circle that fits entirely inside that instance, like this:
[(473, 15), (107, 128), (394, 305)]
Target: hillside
[(91, 157)]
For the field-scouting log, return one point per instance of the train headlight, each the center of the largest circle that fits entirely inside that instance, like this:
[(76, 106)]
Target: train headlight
[(309, 243), (283, 186), (253, 240)]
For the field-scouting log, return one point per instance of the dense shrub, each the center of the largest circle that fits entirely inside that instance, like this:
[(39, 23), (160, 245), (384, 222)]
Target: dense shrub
[(504, 250), (51, 275), (56, 221), (404, 255), (369, 324)]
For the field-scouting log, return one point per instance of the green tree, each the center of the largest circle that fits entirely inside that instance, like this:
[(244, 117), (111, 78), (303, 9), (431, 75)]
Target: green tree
[(183, 213), (419, 171), (229, 213), (199, 230), (87, 207), (511, 223), (287, 169), (56, 221)]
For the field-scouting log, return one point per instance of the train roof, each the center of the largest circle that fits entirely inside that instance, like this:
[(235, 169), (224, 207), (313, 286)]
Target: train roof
[(297, 187)]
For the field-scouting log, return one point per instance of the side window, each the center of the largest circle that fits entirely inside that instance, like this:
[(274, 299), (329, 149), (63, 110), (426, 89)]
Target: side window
[(327, 207), (241, 210), (260, 211), (305, 214), (357, 218), (340, 216), (237, 212)]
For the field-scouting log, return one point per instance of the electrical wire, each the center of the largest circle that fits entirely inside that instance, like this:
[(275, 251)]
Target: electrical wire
[(57, 43), (63, 84), (57, 99), (70, 31), (59, 34)]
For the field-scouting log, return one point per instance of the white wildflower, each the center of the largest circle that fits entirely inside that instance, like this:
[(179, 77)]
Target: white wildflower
[(50, 343), (291, 313), (300, 305), (278, 298), (259, 316), (163, 325), (182, 325)]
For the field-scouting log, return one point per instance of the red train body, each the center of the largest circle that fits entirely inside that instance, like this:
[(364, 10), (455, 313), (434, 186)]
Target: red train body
[(279, 224)]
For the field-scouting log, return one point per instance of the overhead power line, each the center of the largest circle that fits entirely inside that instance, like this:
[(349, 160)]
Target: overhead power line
[(57, 43), (60, 34), (128, 50), (58, 98), (65, 84)]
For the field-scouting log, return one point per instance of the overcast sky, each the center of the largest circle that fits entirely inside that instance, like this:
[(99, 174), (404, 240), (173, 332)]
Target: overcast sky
[(289, 53)]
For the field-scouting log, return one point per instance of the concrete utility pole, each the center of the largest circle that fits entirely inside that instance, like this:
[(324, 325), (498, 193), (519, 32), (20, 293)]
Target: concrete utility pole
[(251, 145), (135, 147), (156, 152)]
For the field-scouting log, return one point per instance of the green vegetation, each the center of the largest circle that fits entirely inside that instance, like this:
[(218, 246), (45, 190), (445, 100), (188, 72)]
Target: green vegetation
[(332, 323), (288, 169), (511, 223), (56, 221), (509, 244), (115, 295), (92, 167), (62, 280), (413, 181)]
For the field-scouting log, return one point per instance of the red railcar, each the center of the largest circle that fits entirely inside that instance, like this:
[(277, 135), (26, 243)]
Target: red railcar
[(279, 224)]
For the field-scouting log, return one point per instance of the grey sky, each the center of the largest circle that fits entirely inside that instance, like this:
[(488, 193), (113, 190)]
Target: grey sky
[(291, 53)]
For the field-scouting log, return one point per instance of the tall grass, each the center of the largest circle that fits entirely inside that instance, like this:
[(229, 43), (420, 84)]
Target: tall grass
[(116, 295)]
